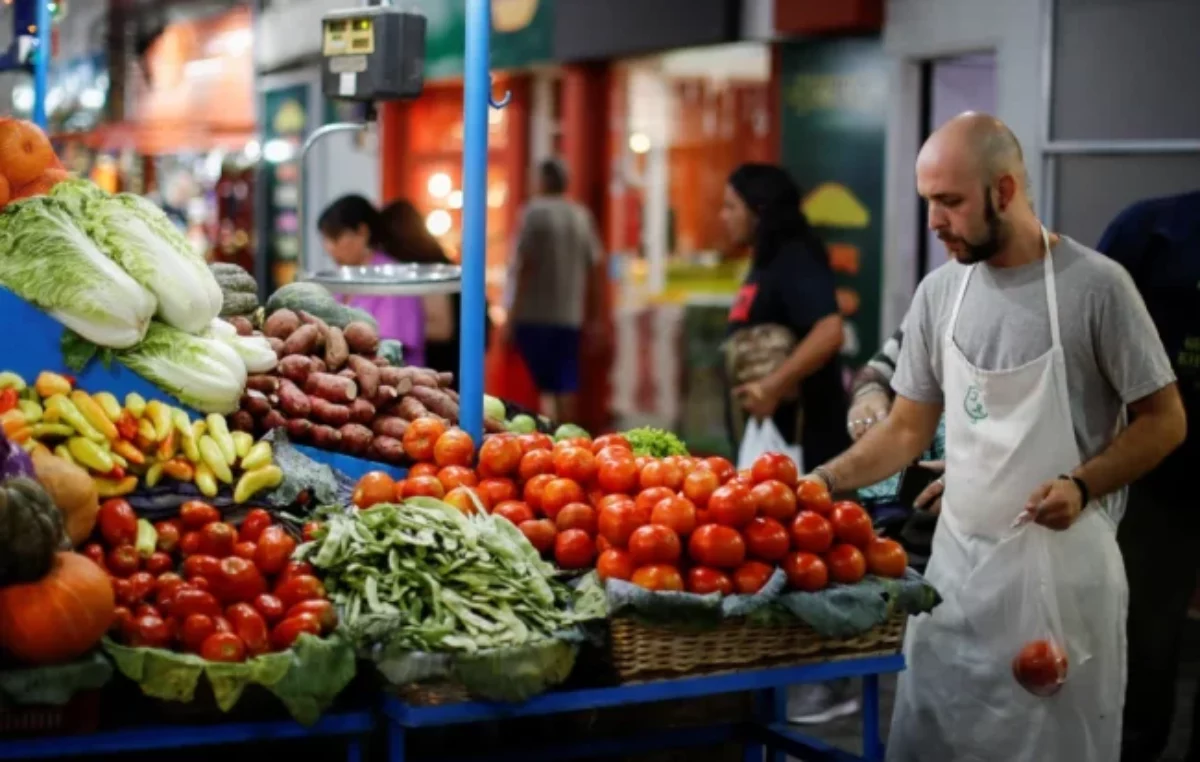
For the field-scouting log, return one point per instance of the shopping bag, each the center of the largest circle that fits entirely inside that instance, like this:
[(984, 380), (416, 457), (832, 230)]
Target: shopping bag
[(761, 437)]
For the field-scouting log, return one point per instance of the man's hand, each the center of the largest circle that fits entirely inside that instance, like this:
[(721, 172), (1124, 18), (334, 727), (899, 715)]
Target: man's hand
[(868, 409), (1056, 504), (930, 499), (759, 398)]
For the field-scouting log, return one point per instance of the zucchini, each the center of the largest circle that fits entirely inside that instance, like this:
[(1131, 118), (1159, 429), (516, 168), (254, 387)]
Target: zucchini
[(316, 300)]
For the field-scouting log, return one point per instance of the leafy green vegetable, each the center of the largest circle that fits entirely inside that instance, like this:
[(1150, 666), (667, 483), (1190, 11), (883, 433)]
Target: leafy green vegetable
[(47, 259), (204, 373), (655, 443)]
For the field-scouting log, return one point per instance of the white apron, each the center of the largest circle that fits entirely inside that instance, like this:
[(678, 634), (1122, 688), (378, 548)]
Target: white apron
[(1008, 431)]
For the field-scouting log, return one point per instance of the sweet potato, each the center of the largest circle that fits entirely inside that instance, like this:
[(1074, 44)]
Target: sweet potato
[(390, 427), (445, 379), (343, 391), (381, 361), (404, 386), (307, 318), (367, 375), (281, 324), (255, 403), (277, 345), (273, 420), (425, 377), (362, 412), (384, 397), (436, 401), (362, 338), (299, 429), (293, 402), (318, 365), (242, 324), (328, 412), (336, 349), (326, 437), (452, 394), (386, 449), (356, 438), (492, 426), (262, 383), (296, 368), (410, 409), (393, 376), (303, 341), (242, 420), (347, 373)]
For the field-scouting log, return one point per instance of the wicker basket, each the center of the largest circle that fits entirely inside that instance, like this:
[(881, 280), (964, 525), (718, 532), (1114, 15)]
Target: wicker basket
[(647, 652), (432, 693)]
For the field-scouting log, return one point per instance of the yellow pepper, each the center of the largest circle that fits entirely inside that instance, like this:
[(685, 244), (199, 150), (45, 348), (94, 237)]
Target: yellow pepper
[(179, 469), (114, 487), (64, 453), (128, 451), (32, 410), (187, 439), (118, 461), (12, 420), (94, 414), (242, 442), (49, 384), (145, 435), (90, 454), (10, 380), (160, 415), (205, 481), (70, 414), (169, 446), (260, 455), (154, 475), (51, 431), (220, 434), (253, 482), (210, 455), (108, 403), (135, 403)]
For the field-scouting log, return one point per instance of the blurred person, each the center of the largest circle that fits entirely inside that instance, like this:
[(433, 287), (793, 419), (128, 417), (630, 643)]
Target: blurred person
[(1036, 348), (552, 276), (785, 332), (353, 233)]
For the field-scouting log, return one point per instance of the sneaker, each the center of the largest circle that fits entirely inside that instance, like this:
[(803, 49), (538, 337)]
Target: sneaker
[(819, 703)]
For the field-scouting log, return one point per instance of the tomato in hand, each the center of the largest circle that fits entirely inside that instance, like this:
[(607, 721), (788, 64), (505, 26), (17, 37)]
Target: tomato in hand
[(465, 499), (117, 522), (275, 548), (123, 561), (767, 540), (614, 563), (270, 607), (846, 564), (372, 489), (851, 524), (238, 580), (751, 577), (499, 457), (653, 544), (658, 577), (617, 521), (811, 533), (775, 466), (811, 495), (285, 633), (661, 473), (217, 539), (169, 533), (699, 486), (618, 475), (718, 546), (1040, 667), (454, 448), (253, 525), (223, 647), (806, 572), (577, 516), (323, 610), (195, 630), (515, 511), (150, 632), (702, 580), (196, 514), (493, 492), (421, 437), (886, 558), (574, 549), (558, 494), (775, 500), (732, 506), (299, 589), (540, 533), (676, 513)]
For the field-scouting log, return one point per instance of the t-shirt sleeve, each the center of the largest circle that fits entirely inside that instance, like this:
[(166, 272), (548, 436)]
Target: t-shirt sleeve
[(915, 377), (1128, 348)]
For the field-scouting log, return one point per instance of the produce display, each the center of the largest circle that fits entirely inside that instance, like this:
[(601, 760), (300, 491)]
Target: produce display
[(204, 586), (124, 445)]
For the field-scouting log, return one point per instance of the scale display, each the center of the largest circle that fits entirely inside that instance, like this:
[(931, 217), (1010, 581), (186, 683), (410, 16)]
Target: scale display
[(374, 53)]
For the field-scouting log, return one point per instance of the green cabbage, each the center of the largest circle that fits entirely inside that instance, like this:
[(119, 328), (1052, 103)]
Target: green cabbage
[(47, 259), (206, 374)]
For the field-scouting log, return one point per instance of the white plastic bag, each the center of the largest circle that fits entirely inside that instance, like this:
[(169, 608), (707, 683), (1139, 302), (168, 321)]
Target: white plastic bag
[(761, 437)]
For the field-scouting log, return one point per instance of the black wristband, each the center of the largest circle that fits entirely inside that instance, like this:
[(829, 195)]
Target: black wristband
[(1084, 493)]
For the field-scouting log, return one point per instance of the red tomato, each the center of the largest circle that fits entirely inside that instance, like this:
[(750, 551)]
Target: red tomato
[(614, 563), (496, 491), (275, 547), (372, 489), (122, 592), (661, 473), (245, 550), (223, 647), (95, 552), (616, 452), (535, 462), (535, 441), (195, 630), (201, 566), (239, 580), (499, 457), (703, 580), (189, 544), (647, 499), (457, 476), (617, 521), (719, 466), (250, 626), (702, 517), (195, 514), (1040, 667), (188, 601), (255, 522), (618, 475), (775, 500), (806, 572), (558, 494), (540, 533), (515, 511), (465, 499), (150, 632), (166, 584), (217, 539), (534, 488), (294, 569), (676, 513), (309, 532), (751, 576), (577, 516), (811, 495), (421, 437), (659, 577), (423, 469), (285, 633), (122, 622), (852, 524), (423, 486), (886, 558), (323, 610), (575, 463), (584, 442), (454, 448), (653, 544), (775, 466), (574, 549), (699, 485), (767, 540), (270, 607), (811, 533), (123, 561), (846, 564), (117, 522), (603, 544), (718, 546), (611, 440), (159, 563), (732, 506), (299, 589), (169, 533)]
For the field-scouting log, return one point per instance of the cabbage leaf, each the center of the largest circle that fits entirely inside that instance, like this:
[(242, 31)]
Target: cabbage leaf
[(204, 373)]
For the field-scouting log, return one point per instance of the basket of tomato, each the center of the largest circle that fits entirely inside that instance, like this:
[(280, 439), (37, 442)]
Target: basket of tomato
[(199, 597)]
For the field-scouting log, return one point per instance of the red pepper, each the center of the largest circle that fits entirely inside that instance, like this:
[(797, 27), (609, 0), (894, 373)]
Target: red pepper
[(127, 426), (116, 474), (70, 380), (8, 400)]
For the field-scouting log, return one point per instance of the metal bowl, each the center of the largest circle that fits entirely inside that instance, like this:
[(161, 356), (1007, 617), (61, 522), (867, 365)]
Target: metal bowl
[(390, 280)]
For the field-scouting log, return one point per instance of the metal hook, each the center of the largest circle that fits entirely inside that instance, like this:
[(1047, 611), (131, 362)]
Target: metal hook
[(504, 101)]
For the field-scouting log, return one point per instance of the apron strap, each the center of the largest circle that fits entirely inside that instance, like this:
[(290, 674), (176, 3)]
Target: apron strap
[(962, 292), (1051, 291)]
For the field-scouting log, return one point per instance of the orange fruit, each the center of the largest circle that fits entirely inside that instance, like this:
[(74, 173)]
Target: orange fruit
[(25, 152), (42, 184)]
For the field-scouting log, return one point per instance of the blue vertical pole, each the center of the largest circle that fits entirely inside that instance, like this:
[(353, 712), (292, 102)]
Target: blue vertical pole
[(477, 90), (41, 64)]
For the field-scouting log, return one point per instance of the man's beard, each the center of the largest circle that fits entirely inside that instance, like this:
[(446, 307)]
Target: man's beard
[(992, 241)]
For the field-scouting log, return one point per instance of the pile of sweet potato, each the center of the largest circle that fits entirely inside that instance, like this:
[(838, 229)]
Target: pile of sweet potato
[(333, 391)]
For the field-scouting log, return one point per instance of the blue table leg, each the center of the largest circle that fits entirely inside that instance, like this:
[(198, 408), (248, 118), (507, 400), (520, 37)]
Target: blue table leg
[(872, 743), (396, 742), (779, 701), (753, 749)]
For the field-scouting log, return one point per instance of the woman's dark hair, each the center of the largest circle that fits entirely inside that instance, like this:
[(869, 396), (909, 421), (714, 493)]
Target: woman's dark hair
[(774, 197), (405, 237), (349, 213)]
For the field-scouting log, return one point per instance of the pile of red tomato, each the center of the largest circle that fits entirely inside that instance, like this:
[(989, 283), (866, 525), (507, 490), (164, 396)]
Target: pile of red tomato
[(226, 593), (676, 523)]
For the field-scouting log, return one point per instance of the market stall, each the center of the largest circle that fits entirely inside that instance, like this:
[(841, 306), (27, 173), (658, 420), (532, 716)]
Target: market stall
[(220, 505)]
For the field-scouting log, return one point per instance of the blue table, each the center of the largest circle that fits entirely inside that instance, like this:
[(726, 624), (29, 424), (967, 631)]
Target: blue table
[(769, 734), (353, 726)]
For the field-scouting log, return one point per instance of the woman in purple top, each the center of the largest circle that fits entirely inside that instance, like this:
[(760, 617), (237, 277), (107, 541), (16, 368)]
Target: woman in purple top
[(352, 231)]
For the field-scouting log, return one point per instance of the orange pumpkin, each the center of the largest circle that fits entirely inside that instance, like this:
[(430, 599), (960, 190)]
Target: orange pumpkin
[(41, 184), (5, 191), (61, 616)]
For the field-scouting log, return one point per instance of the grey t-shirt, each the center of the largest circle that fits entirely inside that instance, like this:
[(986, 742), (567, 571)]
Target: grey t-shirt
[(556, 248), (1113, 353)]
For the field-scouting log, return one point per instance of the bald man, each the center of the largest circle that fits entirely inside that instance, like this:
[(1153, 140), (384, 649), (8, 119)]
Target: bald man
[(1036, 348)]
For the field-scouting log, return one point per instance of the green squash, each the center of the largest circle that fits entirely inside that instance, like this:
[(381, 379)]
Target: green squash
[(31, 531)]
